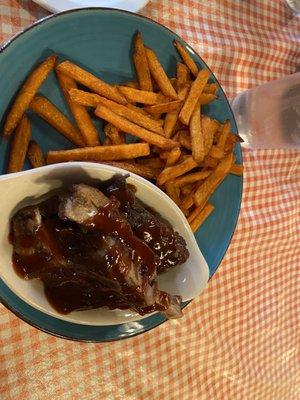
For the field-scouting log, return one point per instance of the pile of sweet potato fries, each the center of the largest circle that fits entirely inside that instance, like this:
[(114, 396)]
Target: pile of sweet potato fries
[(187, 154)]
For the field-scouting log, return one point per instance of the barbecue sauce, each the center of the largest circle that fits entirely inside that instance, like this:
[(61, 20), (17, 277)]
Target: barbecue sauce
[(108, 221), (148, 225)]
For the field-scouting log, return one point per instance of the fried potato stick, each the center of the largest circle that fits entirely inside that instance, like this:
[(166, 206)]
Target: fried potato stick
[(19, 145), (193, 96), (100, 153), (159, 75), (141, 64), (35, 155), (27, 93), (46, 110)]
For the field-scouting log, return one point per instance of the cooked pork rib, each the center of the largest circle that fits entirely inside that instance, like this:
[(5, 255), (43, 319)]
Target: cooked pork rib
[(132, 268), (87, 249)]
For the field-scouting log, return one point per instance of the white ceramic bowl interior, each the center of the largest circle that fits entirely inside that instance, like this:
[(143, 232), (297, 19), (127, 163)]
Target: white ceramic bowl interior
[(24, 188)]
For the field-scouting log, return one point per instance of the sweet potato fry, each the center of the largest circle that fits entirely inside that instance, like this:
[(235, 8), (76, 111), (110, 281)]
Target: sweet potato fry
[(83, 98), (209, 128), (235, 138), (198, 216), (141, 64), (19, 145), (151, 162), (193, 214), (173, 156), (229, 147), (196, 136), (100, 153), (193, 96), (231, 141), (173, 82), (46, 110), (173, 172), (91, 81), (205, 190), (170, 123), (185, 139), (140, 96), (159, 75), (173, 192), (237, 169), (216, 152), (127, 161), (133, 85), (211, 88), (217, 134), (191, 178), (187, 59), (163, 107), (189, 200), (210, 162), (183, 76), (107, 141), (187, 189), (129, 127), (142, 170), (223, 135), (183, 92), (185, 155), (35, 155), (164, 154), (83, 120), (114, 134), (206, 98), (27, 93), (171, 117)]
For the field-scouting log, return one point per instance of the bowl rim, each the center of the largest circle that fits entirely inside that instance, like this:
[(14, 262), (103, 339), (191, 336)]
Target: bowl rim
[(155, 324)]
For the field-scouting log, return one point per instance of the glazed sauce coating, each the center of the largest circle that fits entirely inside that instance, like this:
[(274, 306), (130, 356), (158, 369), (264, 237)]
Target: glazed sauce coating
[(106, 222), (148, 225)]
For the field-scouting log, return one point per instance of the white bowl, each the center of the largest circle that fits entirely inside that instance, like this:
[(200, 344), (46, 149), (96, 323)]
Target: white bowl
[(24, 188)]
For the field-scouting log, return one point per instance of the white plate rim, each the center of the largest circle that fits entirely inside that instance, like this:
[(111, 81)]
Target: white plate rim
[(56, 6)]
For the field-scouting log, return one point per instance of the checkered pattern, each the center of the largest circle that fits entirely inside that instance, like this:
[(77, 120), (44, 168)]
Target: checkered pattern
[(240, 339)]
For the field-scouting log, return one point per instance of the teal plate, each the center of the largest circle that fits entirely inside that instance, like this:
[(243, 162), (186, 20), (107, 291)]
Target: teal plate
[(100, 39)]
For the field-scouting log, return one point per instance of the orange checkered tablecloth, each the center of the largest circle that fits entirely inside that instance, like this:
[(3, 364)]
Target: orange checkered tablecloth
[(240, 339)]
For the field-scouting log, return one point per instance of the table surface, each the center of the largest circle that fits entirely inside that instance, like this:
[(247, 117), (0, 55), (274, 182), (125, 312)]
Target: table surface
[(240, 339)]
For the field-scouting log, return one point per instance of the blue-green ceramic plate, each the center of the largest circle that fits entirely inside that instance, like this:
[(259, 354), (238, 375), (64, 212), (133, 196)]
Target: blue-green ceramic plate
[(101, 40)]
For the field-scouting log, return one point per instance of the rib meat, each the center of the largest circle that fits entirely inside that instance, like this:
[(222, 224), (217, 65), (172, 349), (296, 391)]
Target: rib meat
[(85, 251), (134, 270)]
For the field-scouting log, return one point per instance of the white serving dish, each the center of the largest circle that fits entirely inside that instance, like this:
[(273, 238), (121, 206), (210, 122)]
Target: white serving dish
[(23, 188)]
